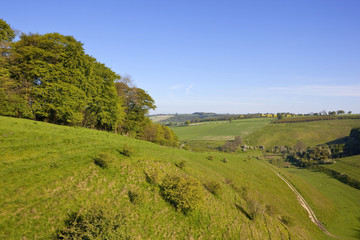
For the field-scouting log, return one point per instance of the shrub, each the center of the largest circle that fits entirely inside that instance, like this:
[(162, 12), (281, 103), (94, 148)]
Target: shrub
[(210, 157), (183, 192), (180, 164), (256, 209), (127, 151), (287, 220), (103, 159), (135, 196), (224, 160), (213, 187), (270, 210), (152, 177), (95, 223)]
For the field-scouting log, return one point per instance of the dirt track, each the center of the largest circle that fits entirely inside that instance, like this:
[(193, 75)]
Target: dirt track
[(305, 205)]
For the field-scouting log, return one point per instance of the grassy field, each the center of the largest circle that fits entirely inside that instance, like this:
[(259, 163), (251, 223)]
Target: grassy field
[(336, 204), (311, 133), (48, 172), (349, 166), (158, 118), (222, 130)]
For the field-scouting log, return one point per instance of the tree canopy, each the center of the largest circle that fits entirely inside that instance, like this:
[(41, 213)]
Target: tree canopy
[(50, 78)]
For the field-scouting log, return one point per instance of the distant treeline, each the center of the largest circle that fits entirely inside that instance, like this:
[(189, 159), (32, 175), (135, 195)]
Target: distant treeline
[(50, 78), (316, 118), (207, 117)]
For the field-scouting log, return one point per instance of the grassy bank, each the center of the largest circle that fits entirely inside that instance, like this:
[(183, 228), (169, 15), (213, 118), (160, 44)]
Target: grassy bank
[(49, 172)]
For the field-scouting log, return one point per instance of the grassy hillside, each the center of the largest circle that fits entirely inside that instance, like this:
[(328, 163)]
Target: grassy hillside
[(335, 203), (349, 166), (311, 133), (48, 172)]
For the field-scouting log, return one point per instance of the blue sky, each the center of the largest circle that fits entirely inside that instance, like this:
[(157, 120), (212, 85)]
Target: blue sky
[(217, 56)]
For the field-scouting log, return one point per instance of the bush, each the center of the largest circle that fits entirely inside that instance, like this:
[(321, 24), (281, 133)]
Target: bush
[(210, 157), (95, 223), (183, 192), (287, 220), (135, 196), (103, 159), (270, 210), (213, 187), (127, 151), (180, 164), (256, 209), (224, 160)]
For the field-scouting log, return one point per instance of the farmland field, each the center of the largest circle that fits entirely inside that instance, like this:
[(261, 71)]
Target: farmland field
[(311, 133), (221, 130)]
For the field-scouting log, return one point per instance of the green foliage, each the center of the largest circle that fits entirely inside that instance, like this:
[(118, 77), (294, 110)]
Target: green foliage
[(6, 33), (104, 159), (50, 78), (160, 134), (183, 192), (97, 222), (213, 187), (127, 151)]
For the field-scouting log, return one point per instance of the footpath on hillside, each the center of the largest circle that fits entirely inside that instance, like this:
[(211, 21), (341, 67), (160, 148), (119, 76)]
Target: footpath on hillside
[(305, 205)]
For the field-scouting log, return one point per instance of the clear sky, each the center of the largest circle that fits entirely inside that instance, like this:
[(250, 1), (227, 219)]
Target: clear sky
[(216, 56)]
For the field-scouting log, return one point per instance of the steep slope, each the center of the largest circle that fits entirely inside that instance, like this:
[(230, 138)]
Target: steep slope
[(48, 173)]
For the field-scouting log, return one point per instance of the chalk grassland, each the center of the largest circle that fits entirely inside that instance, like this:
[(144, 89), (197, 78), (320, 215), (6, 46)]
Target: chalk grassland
[(311, 133), (335, 204), (349, 166), (48, 172), (221, 130)]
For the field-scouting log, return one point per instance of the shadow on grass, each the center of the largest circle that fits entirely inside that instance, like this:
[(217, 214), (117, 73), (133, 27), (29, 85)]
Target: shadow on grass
[(343, 140), (241, 209)]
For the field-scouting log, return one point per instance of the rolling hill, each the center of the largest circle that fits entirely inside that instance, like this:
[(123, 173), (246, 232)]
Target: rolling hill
[(52, 176)]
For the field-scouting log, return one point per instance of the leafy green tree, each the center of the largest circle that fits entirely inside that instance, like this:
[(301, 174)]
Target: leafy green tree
[(6, 32), (136, 103)]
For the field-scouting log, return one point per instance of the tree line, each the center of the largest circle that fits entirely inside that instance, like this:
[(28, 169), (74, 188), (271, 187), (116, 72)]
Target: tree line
[(50, 78)]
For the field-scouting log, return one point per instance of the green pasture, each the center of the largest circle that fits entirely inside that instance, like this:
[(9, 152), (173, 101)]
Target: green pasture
[(349, 166), (311, 133), (336, 204), (48, 172), (220, 130)]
